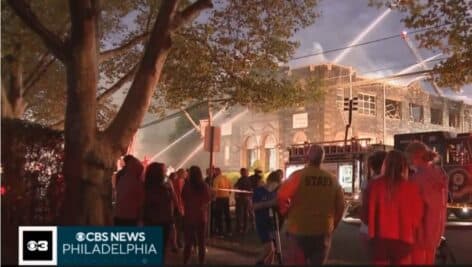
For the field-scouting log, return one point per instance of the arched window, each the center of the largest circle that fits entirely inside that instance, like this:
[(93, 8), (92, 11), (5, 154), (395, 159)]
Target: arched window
[(299, 138), (226, 153), (270, 146), (251, 150)]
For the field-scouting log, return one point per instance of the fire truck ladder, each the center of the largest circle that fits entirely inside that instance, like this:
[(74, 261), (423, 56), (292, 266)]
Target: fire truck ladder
[(335, 151)]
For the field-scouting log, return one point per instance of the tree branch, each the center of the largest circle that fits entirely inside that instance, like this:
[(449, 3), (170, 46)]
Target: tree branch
[(127, 77), (41, 61), (149, 18), (111, 53), (57, 125), (191, 12), (35, 76), (137, 101), (14, 85), (51, 40)]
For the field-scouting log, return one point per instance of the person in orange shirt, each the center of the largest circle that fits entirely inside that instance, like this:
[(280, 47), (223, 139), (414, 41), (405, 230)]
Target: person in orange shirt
[(221, 185), (313, 202)]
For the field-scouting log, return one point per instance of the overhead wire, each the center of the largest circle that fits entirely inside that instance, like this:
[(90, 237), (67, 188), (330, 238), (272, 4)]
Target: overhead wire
[(398, 66), (365, 43), (177, 114)]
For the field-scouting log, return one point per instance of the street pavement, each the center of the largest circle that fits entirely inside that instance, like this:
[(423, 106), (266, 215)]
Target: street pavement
[(214, 256), (346, 247)]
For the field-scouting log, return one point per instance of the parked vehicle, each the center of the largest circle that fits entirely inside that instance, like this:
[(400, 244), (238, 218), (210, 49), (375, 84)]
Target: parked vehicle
[(455, 151)]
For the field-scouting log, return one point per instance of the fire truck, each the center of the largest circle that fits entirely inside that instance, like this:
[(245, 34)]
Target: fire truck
[(347, 160), (455, 158)]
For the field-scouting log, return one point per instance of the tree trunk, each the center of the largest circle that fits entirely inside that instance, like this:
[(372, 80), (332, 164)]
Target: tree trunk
[(137, 101), (89, 155), (83, 177)]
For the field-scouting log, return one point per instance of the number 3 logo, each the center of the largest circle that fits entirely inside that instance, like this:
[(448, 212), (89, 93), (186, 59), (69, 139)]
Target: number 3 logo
[(41, 245)]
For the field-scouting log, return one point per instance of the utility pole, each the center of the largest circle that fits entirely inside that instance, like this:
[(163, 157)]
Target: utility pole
[(384, 115), (210, 172), (210, 124)]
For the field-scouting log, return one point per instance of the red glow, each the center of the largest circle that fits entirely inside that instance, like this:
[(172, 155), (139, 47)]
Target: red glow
[(145, 161), (3, 190)]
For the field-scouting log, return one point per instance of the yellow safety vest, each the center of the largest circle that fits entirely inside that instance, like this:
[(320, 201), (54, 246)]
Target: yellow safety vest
[(221, 182), (313, 206)]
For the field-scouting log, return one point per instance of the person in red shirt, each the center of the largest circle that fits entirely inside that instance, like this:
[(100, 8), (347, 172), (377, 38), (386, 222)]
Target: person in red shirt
[(395, 212), (196, 197), (433, 188), (374, 163)]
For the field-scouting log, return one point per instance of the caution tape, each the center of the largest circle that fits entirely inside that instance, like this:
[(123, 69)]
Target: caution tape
[(459, 206), (234, 190)]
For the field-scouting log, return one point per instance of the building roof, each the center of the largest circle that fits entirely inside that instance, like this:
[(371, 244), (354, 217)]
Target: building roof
[(343, 70)]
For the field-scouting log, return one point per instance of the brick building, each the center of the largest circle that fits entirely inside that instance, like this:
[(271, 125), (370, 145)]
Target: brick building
[(384, 109)]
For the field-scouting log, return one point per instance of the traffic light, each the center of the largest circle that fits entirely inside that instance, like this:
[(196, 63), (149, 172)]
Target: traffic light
[(346, 103), (355, 103), (351, 104)]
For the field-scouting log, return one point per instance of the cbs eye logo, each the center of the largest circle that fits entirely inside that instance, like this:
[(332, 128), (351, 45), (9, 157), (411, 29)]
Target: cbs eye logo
[(41, 245), (37, 245)]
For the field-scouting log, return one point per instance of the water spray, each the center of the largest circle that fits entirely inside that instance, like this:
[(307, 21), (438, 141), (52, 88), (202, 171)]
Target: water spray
[(412, 67), (362, 35), (200, 146), (219, 113)]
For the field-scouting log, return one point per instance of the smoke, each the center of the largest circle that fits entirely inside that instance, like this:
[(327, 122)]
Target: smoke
[(308, 56)]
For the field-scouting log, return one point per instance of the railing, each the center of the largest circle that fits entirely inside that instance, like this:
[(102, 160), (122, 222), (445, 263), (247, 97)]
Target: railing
[(334, 150)]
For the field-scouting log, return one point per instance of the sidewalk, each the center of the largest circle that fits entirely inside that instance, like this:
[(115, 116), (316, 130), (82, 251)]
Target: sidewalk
[(247, 244)]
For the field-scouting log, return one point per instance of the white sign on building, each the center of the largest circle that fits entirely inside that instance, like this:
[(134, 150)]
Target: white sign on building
[(300, 120), (226, 129)]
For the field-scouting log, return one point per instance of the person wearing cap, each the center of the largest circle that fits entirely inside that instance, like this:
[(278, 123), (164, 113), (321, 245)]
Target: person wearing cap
[(434, 192), (313, 202)]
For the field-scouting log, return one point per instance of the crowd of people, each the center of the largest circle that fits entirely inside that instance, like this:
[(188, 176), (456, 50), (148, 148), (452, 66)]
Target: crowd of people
[(186, 205), (178, 203), (403, 211)]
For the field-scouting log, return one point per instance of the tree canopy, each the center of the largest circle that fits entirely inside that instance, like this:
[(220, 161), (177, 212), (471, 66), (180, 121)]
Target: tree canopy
[(448, 27), (232, 53), (31, 73), (235, 56), (113, 45)]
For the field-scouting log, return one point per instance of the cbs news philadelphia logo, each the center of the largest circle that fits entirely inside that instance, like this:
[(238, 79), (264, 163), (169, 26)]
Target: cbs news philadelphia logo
[(90, 245), (37, 245)]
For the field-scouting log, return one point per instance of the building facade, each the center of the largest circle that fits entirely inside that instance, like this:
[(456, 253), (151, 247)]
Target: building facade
[(384, 109)]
